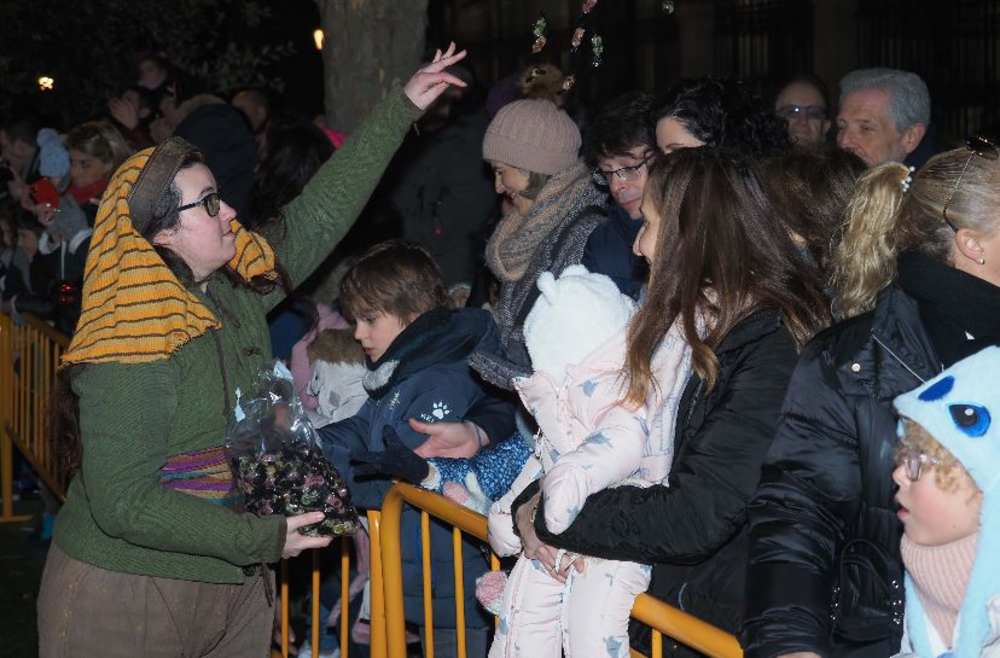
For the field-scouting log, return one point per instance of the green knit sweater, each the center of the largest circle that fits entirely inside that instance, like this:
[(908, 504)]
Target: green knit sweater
[(133, 417)]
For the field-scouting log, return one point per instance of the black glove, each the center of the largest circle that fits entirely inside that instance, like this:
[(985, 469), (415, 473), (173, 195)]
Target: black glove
[(396, 460), (35, 305)]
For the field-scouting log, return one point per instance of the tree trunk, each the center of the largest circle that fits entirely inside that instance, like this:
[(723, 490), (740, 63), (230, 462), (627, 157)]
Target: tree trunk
[(369, 46)]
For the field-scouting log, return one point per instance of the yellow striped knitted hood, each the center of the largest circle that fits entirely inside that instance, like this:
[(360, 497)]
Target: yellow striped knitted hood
[(135, 310)]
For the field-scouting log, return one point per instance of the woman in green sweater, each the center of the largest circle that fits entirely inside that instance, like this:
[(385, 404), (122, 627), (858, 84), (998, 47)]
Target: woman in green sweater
[(149, 557)]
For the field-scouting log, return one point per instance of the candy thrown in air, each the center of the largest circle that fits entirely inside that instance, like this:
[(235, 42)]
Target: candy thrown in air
[(540, 29), (597, 47)]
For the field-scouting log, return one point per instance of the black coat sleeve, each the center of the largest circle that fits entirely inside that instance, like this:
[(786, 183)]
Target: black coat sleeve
[(494, 414), (810, 488), (711, 482)]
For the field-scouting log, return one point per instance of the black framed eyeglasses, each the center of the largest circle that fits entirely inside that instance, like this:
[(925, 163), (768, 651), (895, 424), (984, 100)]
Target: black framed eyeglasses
[(631, 173), (211, 202), (809, 111), (980, 146)]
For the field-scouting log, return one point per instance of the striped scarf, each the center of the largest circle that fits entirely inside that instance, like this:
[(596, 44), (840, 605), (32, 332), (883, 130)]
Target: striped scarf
[(134, 309)]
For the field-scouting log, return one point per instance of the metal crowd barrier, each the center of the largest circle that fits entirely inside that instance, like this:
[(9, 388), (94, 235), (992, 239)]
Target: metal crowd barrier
[(29, 357), (377, 612), (662, 618)]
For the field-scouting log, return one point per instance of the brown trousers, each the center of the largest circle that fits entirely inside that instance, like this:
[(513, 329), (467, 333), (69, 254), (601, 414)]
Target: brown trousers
[(85, 611)]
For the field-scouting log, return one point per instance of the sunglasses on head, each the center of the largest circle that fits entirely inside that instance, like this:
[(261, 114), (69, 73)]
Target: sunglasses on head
[(977, 146)]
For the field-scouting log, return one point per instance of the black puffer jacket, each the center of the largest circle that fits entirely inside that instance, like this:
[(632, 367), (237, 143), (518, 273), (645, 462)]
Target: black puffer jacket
[(825, 573), (695, 531)]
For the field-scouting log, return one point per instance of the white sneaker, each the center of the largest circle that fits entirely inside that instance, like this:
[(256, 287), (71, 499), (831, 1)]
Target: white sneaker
[(305, 651)]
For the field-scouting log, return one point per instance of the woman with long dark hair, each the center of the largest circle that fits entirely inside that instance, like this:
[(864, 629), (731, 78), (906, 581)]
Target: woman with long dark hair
[(723, 268)]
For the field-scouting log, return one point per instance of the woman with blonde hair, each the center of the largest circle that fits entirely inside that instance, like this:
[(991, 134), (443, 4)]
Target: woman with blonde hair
[(918, 274)]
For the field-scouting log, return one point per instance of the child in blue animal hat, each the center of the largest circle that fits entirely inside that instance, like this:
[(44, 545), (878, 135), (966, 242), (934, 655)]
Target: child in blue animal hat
[(949, 497)]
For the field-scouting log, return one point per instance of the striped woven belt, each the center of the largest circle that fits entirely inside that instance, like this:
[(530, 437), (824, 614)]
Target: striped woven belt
[(205, 474)]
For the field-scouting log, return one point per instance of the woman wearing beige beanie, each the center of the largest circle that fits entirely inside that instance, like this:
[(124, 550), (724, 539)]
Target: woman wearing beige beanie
[(532, 146)]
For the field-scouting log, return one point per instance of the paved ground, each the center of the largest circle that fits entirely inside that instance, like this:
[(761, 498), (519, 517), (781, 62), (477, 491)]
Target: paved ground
[(22, 556)]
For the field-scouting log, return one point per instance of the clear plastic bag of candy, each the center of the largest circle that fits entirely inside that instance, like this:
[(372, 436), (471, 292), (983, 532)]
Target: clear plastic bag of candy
[(277, 462)]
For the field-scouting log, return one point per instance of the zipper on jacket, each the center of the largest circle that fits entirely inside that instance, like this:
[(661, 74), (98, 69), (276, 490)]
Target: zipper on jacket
[(901, 362)]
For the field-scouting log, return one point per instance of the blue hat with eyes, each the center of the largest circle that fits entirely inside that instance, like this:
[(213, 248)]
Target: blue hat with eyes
[(960, 408)]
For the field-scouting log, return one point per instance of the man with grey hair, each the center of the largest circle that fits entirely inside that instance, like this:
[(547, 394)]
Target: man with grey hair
[(884, 114)]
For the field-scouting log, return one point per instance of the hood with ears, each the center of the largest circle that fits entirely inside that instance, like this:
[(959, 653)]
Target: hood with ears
[(960, 408), (574, 316)]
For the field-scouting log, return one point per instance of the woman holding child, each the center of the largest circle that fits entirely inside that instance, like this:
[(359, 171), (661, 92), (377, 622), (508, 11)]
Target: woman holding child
[(918, 273), (745, 316), (150, 558)]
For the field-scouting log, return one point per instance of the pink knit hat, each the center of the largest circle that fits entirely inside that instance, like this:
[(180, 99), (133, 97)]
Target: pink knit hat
[(534, 135)]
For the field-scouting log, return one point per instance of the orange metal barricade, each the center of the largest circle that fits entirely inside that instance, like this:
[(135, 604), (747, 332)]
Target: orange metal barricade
[(30, 352), (663, 618), (378, 649), (29, 357)]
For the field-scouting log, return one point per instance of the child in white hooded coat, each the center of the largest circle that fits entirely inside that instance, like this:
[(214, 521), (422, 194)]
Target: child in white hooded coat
[(588, 440)]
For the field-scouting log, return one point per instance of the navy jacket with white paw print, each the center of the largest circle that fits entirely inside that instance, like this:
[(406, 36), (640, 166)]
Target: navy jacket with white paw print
[(424, 375)]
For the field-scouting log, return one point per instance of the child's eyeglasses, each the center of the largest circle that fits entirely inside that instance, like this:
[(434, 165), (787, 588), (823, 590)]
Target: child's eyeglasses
[(977, 146), (211, 202), (914, 462)]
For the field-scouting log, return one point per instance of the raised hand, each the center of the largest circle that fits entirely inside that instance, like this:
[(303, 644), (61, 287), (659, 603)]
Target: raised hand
[(124, 112), (430, 81), (396, 460)]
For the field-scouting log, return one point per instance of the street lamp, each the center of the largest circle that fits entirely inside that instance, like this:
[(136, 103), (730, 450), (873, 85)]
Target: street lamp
[(318, 38)]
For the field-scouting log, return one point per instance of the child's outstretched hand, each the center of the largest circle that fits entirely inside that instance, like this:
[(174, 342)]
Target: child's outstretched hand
[(396, 460)]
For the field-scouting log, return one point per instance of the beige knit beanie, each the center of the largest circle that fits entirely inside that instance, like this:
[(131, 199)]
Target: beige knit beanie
[(534, 135)]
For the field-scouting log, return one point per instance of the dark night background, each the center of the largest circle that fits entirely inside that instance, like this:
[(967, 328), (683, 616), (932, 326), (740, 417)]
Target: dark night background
[(87, 47)]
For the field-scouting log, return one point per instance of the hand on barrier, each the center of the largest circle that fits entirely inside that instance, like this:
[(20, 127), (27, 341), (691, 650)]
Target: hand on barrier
[(396, 460), (37, 306), (296, 542)]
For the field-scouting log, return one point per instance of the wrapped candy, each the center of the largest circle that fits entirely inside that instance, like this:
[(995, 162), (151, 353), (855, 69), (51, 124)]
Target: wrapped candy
[(277, 463), (597, 49), (540, 31), (577, 38)]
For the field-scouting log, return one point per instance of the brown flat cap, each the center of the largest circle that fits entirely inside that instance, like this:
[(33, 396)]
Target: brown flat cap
[(155, 178)]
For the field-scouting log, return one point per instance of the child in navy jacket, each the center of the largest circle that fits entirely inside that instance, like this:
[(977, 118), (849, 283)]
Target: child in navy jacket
[(418, 368)]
